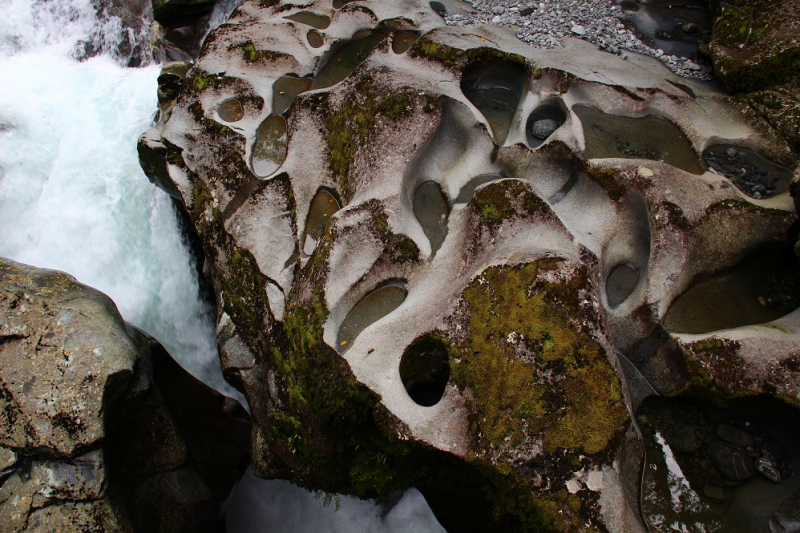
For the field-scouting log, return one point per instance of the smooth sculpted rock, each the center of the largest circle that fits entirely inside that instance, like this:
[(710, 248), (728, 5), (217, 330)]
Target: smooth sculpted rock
[(516, 233), (269, 148)]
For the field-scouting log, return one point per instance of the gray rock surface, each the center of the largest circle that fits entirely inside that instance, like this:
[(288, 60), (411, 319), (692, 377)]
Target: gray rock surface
[(88, 440), (64, 358)]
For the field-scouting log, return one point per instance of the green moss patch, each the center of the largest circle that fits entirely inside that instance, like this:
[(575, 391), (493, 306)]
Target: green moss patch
[(349, 126), (609, 179), (530, 370), (456, 59), (505, 199), (251, 54)]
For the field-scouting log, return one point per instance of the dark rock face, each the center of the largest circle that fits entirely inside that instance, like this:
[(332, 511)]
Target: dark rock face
[(756, 44), (755, 49), (126, 440), (731, 461)]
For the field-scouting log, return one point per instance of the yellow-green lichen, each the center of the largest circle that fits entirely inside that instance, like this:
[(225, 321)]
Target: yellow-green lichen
[(609, 180), (349, 125), (512, 311), (504, 199), (453, 58)]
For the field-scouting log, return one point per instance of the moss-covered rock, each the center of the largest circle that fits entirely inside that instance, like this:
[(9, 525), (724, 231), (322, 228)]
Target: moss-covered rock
[(756, 44)]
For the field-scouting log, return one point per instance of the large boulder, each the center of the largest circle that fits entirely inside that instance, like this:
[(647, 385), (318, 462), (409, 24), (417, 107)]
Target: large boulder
[(755, 49), (415, 288), (100, 429), (756, 44)]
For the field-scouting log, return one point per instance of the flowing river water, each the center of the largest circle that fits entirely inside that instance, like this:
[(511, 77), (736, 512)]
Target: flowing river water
[(73, 198)]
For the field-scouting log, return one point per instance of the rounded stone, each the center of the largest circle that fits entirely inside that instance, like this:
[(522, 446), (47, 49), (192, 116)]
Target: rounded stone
[(543, 128)]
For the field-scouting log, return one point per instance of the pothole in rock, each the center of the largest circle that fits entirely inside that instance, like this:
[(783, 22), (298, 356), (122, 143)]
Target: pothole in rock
[(629, 252), (315, 38), (752, 174), (431, 210), (269, 148), (230, 110), (402, 41), (323, 207), (719, 469), (425, 370), (339, 4), (495, 87), (439, 9), (315, 20), (371, 308), (621, 282), (285, 90), (346, 58), (651, 137), (762, 288), (675, 26), (544, 121)]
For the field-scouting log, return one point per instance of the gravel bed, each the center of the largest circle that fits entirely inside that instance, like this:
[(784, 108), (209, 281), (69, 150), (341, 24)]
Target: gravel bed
[(545, 23)]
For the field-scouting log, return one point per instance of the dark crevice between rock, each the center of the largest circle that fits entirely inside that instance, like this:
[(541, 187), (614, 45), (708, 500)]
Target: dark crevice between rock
[(174, 447)]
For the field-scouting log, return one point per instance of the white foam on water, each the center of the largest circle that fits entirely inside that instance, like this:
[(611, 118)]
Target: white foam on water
[(72, 194), (259, 506)]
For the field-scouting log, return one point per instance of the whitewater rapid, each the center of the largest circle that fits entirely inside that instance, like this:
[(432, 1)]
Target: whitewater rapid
[(74, 198)]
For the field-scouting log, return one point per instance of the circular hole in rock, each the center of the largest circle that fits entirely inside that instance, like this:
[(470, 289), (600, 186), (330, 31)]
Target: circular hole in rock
[(315, 38), (315, 20), (543, 121), (621, 282), (269, 149), (339, 4), (402, 41), (763, 287), (323, 207), (495, 87), (439, 9), (425, 370), (371, 308), (431, 210), (749, 171), (230, 110)]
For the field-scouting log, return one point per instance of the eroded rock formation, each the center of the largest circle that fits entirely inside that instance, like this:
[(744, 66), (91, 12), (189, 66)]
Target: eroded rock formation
[(445, 259)]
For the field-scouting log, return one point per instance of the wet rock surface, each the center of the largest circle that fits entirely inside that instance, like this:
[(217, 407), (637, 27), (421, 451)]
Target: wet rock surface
[(744, 451), (752, 174), (118, 415), (536, 268)]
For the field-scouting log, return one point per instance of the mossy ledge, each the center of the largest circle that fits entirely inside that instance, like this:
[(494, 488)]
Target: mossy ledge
[(502, 200), (457, 59), (349, 126), (535, 377), (711, 364)]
